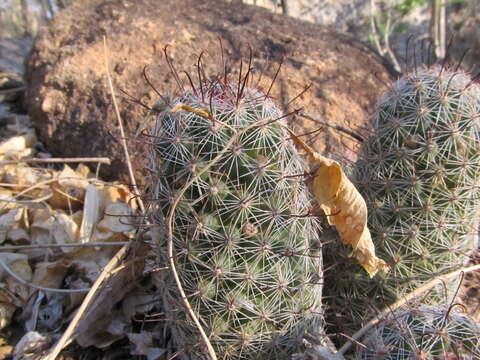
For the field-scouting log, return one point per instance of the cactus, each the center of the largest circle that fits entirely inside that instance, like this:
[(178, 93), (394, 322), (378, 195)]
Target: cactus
[(419, 174), (246, 249), (428, 332)]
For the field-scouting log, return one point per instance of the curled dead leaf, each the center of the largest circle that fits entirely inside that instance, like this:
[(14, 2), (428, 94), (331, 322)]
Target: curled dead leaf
[(116, 193), (6, 313), (6, 195), (344, 207), (18, 236), (50, 274), (69, 190)]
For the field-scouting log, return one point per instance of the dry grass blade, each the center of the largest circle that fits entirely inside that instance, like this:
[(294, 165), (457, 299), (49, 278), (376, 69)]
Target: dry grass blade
[(120, 126), (100, 160), (49, 246), (66, 336)]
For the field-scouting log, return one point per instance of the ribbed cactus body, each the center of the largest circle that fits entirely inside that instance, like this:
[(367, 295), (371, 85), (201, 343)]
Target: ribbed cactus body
[(419, 174), (246, 249), (428, 332)]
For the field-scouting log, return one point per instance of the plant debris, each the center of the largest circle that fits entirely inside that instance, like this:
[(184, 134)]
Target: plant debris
[(59, 227)]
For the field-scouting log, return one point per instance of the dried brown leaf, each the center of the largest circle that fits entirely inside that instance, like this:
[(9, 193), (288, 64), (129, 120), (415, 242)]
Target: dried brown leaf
[(138, 302), (31, 346), (116, 193), (23, 176), (69, 190), (344, 207), (18, 143), (50, 274), (18, 264), (8, 220), (64, 230), (18, 236), (118, 285), (143, 345), (84, 171), (6, 313), (6, 195)]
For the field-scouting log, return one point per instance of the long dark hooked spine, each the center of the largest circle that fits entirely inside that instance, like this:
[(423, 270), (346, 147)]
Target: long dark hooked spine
[(134, 100), (447, 52), (173, 70), (145, 76), (191, 83), (267, 94), (199, 73), (305, 89)]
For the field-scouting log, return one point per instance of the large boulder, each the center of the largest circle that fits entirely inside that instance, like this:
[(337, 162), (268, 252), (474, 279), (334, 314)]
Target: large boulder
[(69, 99)]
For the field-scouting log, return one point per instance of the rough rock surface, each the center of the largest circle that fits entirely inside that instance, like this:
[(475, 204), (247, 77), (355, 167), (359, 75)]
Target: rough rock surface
[(69, 100)]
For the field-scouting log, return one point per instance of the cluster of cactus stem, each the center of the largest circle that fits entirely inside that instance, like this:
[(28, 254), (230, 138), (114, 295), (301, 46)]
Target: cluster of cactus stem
[(419, 173), (228, 187), (247, 251), (425, 332)]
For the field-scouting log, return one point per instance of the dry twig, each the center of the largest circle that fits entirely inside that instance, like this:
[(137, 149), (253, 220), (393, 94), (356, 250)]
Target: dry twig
[(66, 336), (101, 160)]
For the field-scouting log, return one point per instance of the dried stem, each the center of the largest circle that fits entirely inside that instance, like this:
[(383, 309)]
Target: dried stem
[(14, 90), (102, 160), (65, 339), (66, 336), (120, 126), (50, 246), (336, 127)]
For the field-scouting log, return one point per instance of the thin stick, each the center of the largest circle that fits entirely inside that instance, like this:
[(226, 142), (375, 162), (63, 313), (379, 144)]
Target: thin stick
[(120, 125), (336, 127), (66, 336), (49, 246), (9, 91), (37, 185), (64, 340), (103, 160), (38, 287), (439, 279), (26, 202)]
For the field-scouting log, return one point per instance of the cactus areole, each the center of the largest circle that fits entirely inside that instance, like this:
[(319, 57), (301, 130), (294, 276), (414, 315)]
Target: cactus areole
[(246, 250)]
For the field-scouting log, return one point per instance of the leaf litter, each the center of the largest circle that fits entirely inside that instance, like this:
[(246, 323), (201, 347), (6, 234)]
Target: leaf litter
[(42, 283)]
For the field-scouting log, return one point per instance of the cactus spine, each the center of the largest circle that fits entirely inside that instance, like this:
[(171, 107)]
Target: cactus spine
[(428, 332), (419, 174), (247, 251)]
